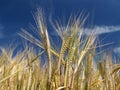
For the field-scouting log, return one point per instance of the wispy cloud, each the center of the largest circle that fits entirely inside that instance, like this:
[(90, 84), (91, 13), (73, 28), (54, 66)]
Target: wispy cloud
[(101, 29), (117, 50), (97, 30)]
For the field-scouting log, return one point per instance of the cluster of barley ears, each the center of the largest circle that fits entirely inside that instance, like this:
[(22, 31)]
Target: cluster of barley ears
[(73, 67)]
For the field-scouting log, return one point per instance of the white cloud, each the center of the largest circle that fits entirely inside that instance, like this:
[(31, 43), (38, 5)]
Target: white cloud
[(101, 29), (117, 50), (97, 30)]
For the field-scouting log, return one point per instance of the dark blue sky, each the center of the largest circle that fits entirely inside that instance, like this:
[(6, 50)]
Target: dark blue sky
[(17, 14)]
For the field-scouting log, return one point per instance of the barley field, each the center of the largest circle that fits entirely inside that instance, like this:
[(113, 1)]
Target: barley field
[(77, 65)]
